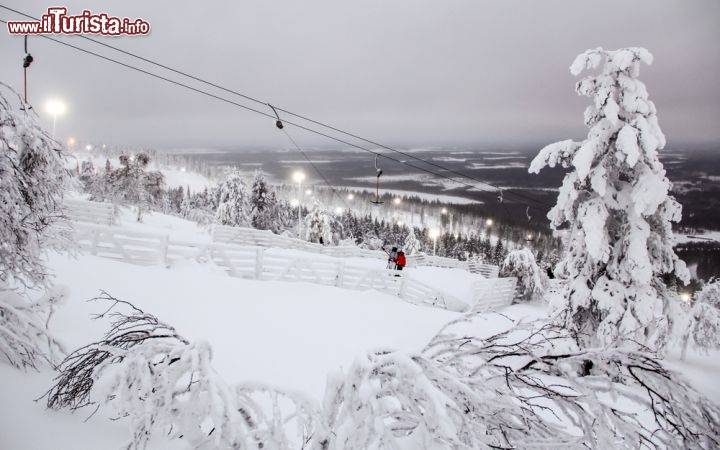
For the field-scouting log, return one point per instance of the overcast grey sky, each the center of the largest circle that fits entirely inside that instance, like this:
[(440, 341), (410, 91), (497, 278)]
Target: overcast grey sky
[(408, 72)]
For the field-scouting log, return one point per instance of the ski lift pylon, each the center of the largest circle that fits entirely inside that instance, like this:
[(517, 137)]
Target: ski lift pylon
[(378, 173), (529, 236)]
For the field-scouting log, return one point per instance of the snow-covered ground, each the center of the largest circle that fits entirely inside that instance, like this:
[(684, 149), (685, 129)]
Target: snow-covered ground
[(287, 335)]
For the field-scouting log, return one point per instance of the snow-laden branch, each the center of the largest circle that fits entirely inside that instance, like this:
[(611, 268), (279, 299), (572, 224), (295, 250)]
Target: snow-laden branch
[(166, 385), (24, 337)]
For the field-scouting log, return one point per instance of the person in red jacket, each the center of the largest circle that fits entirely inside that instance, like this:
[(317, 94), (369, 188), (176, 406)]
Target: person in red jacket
[(400, 261)]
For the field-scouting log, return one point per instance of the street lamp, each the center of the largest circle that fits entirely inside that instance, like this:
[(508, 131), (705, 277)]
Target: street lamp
[(56, 108), (397, 200), (434, 233), (443, 211), (338, 210), (350, 196), (298, 177), (489, 222)]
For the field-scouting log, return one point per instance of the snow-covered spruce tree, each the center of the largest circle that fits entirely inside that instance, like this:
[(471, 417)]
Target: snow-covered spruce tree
[(411, 245), (32, 180), (616, 206), (132, 184), (532, 280), (700, 328), (233, 202), (262, 203), (317, 225)]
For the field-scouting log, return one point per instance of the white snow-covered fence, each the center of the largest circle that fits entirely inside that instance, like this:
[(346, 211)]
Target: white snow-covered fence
[(121, 244), (264, 238), (493, 293), (435, 261), (254, 263), (486, 270), (91, 212)]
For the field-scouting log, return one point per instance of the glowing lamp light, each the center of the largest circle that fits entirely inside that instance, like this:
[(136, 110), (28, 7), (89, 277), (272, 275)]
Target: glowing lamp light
[(88, 147), (338, 210), (685, 297), (71, 141), (294, 202), (397, 200), (489, 222), (350, 196), (399, 223), (443, 211), (182, 169), (308, 191), (298, 177), (55, 107), (434, 233)]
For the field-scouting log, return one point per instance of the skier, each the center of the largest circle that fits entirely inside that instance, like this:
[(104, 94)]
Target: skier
[(392, 257), (400, 261)]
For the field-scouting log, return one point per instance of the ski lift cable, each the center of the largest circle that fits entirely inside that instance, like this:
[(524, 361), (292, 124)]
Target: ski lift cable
[(311, 130), (314, 166), (299, 116), (248, 108)]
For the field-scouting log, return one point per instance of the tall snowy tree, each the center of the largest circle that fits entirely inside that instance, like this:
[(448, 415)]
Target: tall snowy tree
[(262, 203), (233, 202), (616, 206), (318, 226)]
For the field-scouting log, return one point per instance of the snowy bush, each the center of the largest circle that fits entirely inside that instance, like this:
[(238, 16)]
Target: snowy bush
[(318, 225), (541, 390), (233, 206), (24, 338), (165, 385), (616, 206), (32, 179), (532, 280)]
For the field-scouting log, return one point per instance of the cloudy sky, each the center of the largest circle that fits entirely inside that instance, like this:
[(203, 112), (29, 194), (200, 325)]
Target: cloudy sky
[(407, 72)]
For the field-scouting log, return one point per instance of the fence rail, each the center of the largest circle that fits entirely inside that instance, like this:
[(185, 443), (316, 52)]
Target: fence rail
[(263, 238), (91, 212), (253, 262)]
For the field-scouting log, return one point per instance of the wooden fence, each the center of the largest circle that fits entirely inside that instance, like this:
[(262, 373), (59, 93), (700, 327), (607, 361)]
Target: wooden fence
[(493, 293), (91, 212), (253, 262), (263, 238)]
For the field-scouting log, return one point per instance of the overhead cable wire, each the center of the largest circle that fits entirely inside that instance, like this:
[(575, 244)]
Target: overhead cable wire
[(299, 116)]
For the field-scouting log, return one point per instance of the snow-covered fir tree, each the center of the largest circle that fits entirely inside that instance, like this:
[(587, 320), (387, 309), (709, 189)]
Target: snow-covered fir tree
[(262, 203), (411, 245), (615, 205), (700, 328), (132, 184), (317, 226), (532, 281), (233, 207)]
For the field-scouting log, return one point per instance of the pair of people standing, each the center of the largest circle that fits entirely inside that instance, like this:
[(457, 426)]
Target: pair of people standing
[(396, 259)]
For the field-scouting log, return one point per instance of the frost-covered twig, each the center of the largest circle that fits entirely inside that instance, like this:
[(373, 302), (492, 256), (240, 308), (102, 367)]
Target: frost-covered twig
[(166, 385), (24, 336)]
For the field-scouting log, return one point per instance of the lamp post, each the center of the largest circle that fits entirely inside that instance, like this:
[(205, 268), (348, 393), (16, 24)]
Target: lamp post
[(298, 177), (434, 233), (56, 108)]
